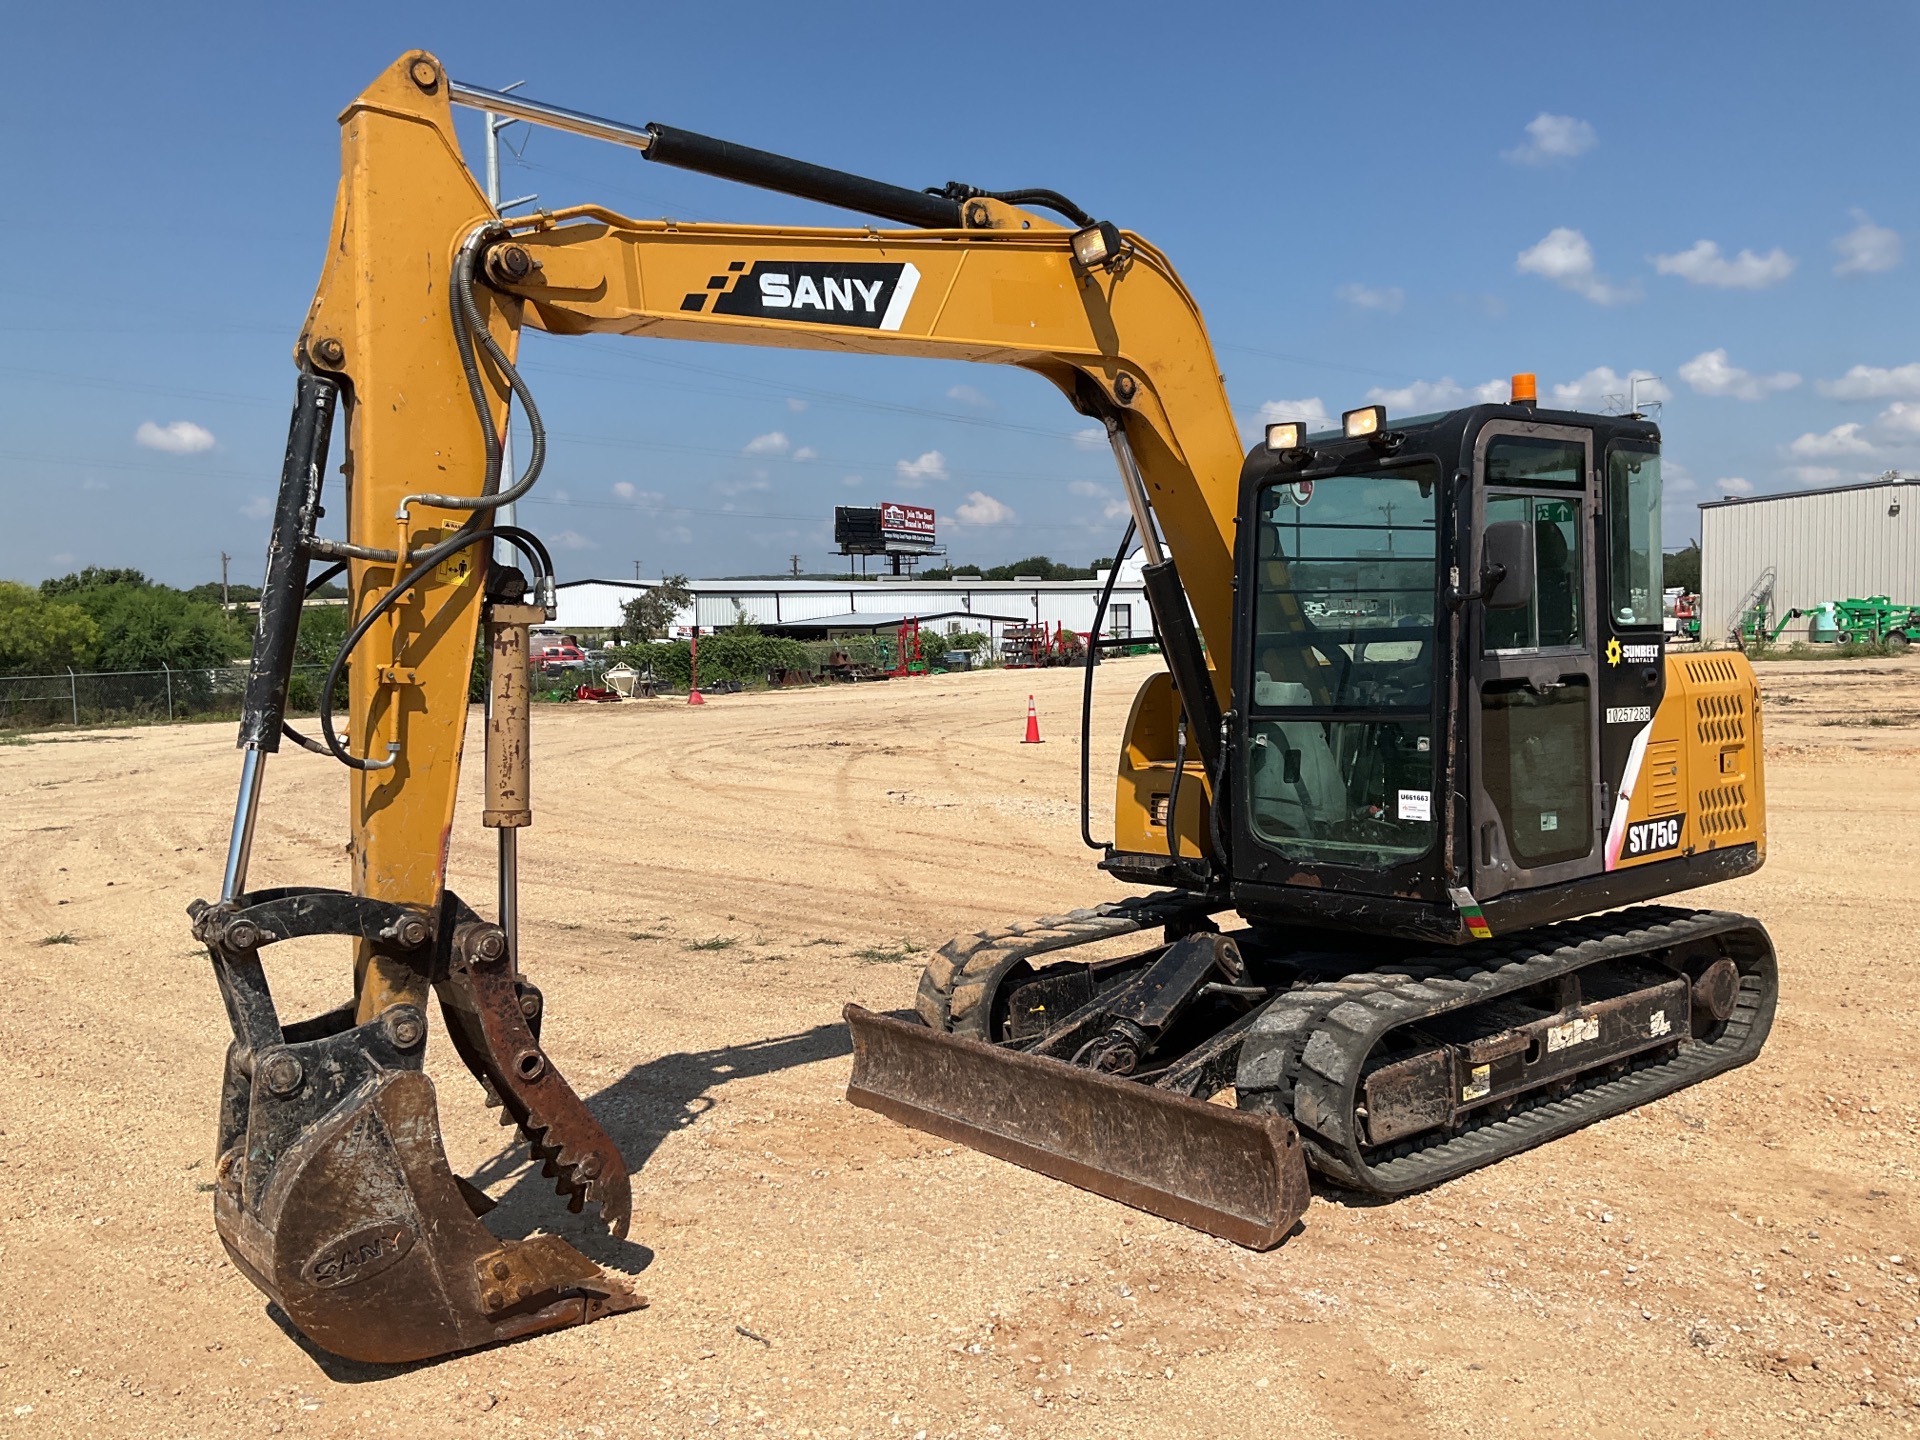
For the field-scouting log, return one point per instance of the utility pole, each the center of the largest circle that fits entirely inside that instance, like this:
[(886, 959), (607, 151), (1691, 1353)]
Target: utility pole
[(796, 565), (506, 514), (636, 570), (226, 605)]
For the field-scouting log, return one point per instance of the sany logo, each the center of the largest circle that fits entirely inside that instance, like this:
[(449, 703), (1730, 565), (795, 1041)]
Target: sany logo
[(778, 292), (858, 294)]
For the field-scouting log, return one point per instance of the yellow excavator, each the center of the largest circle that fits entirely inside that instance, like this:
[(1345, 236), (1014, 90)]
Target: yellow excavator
[(1416, 730)]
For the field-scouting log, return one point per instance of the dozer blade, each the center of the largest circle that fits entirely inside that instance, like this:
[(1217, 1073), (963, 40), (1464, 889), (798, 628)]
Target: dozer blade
[(363, 1237), (1240, 1176)]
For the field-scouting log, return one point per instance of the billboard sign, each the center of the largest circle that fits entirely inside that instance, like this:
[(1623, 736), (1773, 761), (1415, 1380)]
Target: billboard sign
[(906, 525)]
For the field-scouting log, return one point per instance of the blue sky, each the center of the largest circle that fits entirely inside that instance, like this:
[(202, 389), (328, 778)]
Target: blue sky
[(1400, 202)]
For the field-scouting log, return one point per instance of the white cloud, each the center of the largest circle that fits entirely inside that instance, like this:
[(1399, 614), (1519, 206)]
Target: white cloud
[(774, 442), (92, 484), (1094, 437), (1552, 138), (623, 490), (1901, 420), (1710, 373), (980, 508), (258, 508), (1817, 474), (1388, 298), (675, 534), (1733, 485), (1705, 265), (571, 540), (1874, 382), (915, 473), (796, 405), (1867, 249), (177, 437), (1087, 487), (1841, 440), (1311, 412), (805, 453), (1564, 257), (1600, 388), (851, 480), (967, 395), (1442, 394), (757, 485), (626, 490), (1115, 510)]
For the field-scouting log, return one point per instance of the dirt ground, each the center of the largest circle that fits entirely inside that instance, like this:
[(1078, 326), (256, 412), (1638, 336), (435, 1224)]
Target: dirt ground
[(704, 889)]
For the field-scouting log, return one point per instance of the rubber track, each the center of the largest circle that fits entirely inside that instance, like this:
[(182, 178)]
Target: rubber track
[(1313, 1043), (959, 982)]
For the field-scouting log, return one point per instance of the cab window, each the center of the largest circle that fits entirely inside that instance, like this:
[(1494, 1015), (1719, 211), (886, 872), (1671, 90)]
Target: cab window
[(1633, 518)]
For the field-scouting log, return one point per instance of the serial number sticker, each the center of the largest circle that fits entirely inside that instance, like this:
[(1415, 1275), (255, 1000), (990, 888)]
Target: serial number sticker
[(1415, 805), (1629, 714), (1479, 1083), (1574, 1032), (1549, 820), (1658, 1024)]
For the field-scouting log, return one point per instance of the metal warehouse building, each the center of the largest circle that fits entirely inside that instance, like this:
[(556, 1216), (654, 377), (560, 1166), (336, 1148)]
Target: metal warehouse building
[(1810, 546), (984, 605)]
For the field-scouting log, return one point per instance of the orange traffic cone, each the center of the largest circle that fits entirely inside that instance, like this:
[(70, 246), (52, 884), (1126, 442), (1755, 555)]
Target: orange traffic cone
[(1033, 725)]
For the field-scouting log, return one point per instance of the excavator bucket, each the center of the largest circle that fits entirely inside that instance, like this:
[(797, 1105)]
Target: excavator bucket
[(333, 1192), (1237, 1175)]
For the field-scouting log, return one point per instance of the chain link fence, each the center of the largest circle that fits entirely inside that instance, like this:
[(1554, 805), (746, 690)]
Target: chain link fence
[(40, 702)]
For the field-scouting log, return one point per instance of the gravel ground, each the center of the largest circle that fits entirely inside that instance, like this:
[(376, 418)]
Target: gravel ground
[(704, 889)]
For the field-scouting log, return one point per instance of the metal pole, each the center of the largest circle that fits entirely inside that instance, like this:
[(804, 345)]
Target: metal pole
[(169, 673), (73, 690), (245, 809)]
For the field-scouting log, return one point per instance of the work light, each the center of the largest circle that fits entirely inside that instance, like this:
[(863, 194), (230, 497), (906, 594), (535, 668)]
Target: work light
[(1367, 420)]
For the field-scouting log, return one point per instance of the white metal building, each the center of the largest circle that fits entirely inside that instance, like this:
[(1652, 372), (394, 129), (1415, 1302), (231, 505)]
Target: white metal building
[(595, 604), (1812, 546)]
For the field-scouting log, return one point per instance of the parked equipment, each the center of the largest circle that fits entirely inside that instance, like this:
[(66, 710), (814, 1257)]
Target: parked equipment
[(1417, 727)]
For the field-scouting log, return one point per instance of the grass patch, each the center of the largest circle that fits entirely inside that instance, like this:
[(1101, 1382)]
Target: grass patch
[(61, 938), (883, 955), (644, 935), (714, 942), (1801, 650), (1874, 722), (826, 940)]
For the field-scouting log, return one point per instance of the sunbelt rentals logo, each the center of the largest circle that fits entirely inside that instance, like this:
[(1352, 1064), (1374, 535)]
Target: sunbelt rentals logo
[(1632, 654), (860, 295)]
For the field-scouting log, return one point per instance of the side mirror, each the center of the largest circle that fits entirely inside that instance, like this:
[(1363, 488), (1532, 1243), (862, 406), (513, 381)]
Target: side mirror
[(1506, 565)]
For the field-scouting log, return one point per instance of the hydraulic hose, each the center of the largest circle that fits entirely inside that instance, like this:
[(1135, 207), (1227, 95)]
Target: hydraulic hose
[(1086, 694), (467, 326), (525, 542)]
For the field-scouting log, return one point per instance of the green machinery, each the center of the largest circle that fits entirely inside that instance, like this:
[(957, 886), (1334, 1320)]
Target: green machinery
[(1875, 620)]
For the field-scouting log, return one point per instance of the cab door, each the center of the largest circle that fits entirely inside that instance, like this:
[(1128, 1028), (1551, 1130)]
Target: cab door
[(1535, 789)]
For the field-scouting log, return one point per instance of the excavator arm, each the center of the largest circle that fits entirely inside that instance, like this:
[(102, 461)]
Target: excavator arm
[(334, 1193)]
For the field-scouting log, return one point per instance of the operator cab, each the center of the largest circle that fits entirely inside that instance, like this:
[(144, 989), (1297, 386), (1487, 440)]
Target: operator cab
[(1464, 604)]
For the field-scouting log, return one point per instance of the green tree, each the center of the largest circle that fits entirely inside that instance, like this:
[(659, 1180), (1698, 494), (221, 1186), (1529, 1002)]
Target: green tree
[(143, 627), (648, 614), (38, 634), (1683, 568), (94, 577)]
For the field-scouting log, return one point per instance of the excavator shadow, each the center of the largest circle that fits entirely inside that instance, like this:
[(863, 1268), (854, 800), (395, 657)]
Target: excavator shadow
[(639, 1111)]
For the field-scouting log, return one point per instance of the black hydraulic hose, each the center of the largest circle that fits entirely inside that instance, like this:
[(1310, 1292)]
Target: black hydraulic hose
[(524, 541), (958, 191), (307, 742), (467, 327), (1051, 199), (1086, 695)]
